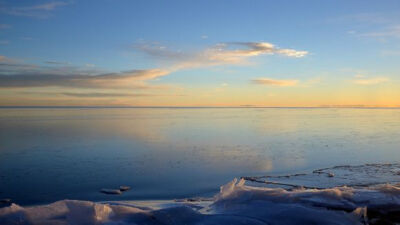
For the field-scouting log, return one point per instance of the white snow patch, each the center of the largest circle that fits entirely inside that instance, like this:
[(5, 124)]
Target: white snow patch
[(236, 203)]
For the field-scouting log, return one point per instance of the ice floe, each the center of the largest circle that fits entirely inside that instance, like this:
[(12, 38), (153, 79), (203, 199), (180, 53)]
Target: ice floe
[(118, 191), (111, 191), (124, 188)]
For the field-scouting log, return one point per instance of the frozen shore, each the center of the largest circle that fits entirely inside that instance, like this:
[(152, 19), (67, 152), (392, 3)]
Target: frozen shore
[(236, 203)]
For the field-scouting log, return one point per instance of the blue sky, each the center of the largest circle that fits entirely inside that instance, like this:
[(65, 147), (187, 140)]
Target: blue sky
[(202, 46)]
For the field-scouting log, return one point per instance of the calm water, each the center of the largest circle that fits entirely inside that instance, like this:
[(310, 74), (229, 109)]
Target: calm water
[(48, 154)]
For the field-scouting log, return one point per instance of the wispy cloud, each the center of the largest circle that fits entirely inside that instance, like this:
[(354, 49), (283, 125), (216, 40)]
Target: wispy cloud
[(229, 53), (37, 11), (370, 18), (371, 81), (127, 80), (2, 58), (14, 74), (275, 82), (387, 32), (103, 95), (374, 25), (158, 51), (4, 42), (87, 94), (26, 38), (57, 63), (5, 61), (236, 52)]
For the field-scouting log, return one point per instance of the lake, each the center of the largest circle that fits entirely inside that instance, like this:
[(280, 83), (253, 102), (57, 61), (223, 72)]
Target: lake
[(49, 154)]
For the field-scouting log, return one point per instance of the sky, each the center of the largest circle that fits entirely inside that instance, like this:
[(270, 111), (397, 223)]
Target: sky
[(200, 53)]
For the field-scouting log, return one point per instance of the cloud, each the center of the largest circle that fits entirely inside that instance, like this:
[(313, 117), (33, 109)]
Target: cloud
[(259, 48), (47, 6), (274, 82), (37, 11), (26, 38), (237, 52), (87, 94), (56, 63), (371, 81), (162, 52), (369, 18), (5, 61), (4, 42), (125, 80), (388, 32), (380, 26), (102, 95), (14, 74), (229, 53)]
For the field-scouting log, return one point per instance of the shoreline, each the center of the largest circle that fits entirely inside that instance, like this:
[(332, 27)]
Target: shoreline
[(237, 203)]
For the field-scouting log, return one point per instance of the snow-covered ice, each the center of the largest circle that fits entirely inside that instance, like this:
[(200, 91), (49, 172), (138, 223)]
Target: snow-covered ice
[(364, 175), (237, 203)]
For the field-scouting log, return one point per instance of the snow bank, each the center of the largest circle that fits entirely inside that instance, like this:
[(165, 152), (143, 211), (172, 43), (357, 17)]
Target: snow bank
[(236, 203)]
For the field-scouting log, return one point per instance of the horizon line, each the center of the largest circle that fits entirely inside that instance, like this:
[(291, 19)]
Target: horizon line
[(243, 106)]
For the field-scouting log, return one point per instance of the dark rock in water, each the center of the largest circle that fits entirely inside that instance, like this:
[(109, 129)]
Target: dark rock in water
[(111, 191), (124, 188)]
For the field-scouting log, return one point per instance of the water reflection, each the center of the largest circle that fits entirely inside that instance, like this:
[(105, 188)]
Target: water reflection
[(49, 154)]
